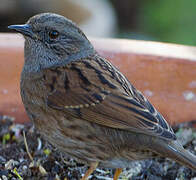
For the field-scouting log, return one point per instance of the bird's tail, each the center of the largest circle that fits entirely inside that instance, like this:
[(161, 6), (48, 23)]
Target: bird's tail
[(174, 150)]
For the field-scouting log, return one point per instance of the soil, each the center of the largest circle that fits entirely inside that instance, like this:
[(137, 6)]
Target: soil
[(47, 163)]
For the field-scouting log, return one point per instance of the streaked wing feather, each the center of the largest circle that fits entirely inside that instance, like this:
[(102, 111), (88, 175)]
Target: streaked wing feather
[(116, 108)]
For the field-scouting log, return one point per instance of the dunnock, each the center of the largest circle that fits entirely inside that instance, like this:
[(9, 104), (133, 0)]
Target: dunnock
[(84, 105)]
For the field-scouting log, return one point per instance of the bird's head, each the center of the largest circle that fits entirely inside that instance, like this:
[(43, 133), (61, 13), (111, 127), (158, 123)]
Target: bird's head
[(52, 40)]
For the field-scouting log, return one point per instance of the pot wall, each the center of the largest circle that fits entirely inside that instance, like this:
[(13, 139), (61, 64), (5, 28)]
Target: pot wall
[(165, 73)]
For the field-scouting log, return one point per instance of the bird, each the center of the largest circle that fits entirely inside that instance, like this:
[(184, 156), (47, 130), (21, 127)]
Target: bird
[(83, 105)]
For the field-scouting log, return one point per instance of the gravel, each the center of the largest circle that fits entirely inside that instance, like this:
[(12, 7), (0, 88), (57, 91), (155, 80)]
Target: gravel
[(44, 162)]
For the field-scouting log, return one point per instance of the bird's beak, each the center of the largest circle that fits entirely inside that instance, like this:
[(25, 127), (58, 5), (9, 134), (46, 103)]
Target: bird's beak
[(24, 29)]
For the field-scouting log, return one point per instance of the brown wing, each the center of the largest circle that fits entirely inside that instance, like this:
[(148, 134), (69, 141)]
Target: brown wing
[(95, 91)]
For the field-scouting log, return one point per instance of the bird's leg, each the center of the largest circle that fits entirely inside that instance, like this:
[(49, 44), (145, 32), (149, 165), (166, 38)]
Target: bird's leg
[(117, 173), (93, 166)]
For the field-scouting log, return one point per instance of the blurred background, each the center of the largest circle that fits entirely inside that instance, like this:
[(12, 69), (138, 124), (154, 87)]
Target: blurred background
[(156, 20)]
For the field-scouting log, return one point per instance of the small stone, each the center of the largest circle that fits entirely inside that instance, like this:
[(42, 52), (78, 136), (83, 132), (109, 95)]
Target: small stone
[(17, 128), (57, 177), (135, 169), (4, 177), (11, 163), (2, 159), (185, 136), (4, 173), (42, 170), (24, 168)]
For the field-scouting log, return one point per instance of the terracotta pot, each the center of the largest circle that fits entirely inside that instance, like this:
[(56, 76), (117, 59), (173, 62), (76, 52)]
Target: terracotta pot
[(165, 73)]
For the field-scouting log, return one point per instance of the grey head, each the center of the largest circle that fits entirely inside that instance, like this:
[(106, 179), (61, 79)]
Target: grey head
[(52, 40)]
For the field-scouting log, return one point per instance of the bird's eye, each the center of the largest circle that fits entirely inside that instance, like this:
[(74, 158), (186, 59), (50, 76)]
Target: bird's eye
[(53, 34)]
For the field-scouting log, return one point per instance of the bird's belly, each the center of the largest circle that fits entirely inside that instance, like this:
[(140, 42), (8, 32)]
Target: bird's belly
[(76, 138), (119, 163), (126, 159), (81, 140)]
